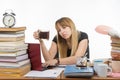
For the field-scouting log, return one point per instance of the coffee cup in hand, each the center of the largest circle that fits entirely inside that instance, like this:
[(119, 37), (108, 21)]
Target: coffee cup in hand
[(44, 34)]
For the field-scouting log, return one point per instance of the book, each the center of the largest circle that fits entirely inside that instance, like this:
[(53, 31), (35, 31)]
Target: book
[(13, 48), (115, 44), (13, 59), (115, 51), (50, 73), (115, 40), (15, 72), (115, 48), (12, 32), (14, 64), (73, 71), (34, 55), (13, 29), (13, 54), (7, 39), (10, 44), (11, 35)]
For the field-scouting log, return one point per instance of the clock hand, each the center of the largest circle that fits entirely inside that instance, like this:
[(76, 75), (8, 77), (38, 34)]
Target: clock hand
[(9, 20)]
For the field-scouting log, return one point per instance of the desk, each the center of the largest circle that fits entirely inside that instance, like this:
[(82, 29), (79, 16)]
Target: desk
[(30, 78), (95, 77), (15, 78), (23, 78)]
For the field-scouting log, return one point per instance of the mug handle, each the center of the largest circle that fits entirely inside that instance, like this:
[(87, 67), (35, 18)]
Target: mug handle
[(109, 69)]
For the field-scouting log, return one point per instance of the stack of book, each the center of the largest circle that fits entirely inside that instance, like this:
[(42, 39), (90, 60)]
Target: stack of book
[(115, 43), (14, 59)]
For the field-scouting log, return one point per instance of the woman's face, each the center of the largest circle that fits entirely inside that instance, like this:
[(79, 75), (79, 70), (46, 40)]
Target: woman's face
[(64, 31)]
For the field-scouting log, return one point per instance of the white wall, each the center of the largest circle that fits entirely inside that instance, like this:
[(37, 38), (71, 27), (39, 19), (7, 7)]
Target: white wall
[(87, 14)]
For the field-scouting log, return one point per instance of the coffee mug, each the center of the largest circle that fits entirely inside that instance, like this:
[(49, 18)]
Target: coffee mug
[(95, 64), (44, 34), (103, 70)]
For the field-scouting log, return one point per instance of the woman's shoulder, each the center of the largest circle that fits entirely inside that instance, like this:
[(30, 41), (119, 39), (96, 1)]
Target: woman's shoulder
[(55, 38), (82, 35)]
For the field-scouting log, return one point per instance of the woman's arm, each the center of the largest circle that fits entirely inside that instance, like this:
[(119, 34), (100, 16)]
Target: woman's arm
[(72, 59), (80, 52), (47, 54)]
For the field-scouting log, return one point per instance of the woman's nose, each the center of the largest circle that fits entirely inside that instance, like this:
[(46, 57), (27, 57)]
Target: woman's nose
[(62, 30)]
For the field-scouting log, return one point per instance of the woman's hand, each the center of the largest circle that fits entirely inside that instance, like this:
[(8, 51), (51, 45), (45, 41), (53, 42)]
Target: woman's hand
[(36, 34), (52, 62)]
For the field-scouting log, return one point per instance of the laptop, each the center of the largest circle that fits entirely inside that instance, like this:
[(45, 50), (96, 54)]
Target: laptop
[(34, 55)]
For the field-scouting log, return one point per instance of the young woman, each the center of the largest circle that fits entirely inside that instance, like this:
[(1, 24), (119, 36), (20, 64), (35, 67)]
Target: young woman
[(66, 46)]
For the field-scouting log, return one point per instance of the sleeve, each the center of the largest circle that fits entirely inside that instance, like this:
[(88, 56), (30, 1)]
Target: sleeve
[(55, 39), (83, 36)]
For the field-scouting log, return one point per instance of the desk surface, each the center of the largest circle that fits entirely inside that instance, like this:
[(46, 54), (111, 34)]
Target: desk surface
[(59, 77), (22, 78), (95, 77)]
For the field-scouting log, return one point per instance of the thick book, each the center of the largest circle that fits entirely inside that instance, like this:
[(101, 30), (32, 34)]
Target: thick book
[(115, 48), (15, 72), (73, 71), (115, 40), (13, 49), (12, 44), (12, 39), (14, 64), (13, 58), (34, 55), (13, 54), (11, 35), (14, 29), (115, 44)]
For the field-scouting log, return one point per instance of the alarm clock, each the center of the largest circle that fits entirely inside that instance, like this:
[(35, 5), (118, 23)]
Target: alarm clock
[(9, 19)]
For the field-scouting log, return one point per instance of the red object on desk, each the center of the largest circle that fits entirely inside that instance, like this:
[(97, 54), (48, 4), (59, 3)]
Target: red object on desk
[(117, 75), (34, 56)]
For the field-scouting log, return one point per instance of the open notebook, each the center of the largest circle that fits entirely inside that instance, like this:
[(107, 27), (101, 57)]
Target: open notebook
[(34, 54)]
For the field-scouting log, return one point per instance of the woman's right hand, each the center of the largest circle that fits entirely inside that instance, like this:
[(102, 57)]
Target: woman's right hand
[(36, 34)]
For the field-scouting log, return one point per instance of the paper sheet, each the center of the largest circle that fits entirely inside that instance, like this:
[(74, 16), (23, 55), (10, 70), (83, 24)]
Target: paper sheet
[(51, 73)]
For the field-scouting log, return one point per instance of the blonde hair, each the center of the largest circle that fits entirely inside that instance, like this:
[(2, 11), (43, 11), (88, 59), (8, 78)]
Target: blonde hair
[(62, 45)]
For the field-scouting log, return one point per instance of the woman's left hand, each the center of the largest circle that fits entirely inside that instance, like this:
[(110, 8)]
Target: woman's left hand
[(52, 62)]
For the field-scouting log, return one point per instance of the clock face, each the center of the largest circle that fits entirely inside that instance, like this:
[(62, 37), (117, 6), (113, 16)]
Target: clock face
[(9, 20)]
